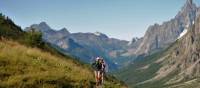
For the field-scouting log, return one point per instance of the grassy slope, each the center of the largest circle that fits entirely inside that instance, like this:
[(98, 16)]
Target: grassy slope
[(23, 66), (30, 67), (132, 75)]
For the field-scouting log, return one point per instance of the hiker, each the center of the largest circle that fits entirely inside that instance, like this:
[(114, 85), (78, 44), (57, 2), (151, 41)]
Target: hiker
[(97, 70), (103, 67)]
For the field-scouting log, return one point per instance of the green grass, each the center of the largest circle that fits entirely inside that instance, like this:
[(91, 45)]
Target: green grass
[(132, 75), (26, 67), (28, 62), (23, 66)]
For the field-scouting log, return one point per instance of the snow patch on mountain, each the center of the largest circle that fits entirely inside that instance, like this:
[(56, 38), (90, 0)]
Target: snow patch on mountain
[(130, 42), (97, 33), (183, 33), (185, 30)]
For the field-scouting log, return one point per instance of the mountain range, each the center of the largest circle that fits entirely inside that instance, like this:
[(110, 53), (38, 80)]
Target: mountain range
[(83, 45), (176, 66), (26, 61), (119, 53), (167, 56)]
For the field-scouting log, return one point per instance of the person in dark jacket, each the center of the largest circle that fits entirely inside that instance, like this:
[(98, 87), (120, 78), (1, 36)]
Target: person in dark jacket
[(97, 66), (103, 69)]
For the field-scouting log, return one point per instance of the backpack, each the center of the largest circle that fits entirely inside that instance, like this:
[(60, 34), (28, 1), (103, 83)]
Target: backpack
[(97, 65)]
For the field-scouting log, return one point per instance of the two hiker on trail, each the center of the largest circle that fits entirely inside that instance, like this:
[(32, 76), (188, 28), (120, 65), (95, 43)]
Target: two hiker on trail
[(99, 70)]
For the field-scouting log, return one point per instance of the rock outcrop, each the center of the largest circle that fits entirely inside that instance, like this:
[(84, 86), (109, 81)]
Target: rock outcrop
[(161, 36)]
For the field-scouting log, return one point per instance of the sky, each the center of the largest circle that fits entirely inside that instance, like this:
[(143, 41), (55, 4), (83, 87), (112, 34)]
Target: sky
[(122, 19)]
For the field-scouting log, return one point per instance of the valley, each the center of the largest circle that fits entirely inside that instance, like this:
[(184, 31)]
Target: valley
[(39, 56)]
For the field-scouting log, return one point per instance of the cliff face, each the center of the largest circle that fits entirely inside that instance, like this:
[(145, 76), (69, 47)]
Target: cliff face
[(184, 57), (161, 36), (176, 67), (180, 64)]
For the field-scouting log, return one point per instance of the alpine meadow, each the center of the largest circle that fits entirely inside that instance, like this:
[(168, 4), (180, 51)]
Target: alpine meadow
[(100, 44)]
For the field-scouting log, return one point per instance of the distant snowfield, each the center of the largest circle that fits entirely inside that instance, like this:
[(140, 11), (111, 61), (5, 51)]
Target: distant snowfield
[(97, 33), (183, 33)]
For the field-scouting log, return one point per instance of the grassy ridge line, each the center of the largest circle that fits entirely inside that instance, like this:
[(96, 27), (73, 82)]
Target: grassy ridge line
[(28, 62), (25, 67), (22, 66)]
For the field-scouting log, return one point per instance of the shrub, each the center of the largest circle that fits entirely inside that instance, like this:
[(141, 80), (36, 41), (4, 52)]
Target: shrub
[(33, 38)]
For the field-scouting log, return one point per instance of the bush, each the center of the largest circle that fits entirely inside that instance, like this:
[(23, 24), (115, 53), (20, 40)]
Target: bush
[(33, 38)]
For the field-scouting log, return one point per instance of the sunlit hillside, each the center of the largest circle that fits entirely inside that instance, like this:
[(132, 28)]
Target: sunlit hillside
[(28, 62)]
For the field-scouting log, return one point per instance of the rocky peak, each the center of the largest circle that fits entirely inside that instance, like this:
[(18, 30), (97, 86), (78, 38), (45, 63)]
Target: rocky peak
[(187, 13), (44, 25), (97, 33), (189, 2), (161, 36), (189, 5), (64, 31), (100, 35)]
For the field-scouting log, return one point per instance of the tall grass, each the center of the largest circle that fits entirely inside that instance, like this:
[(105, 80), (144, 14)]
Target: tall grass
[(22, 66), (27, 67)]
